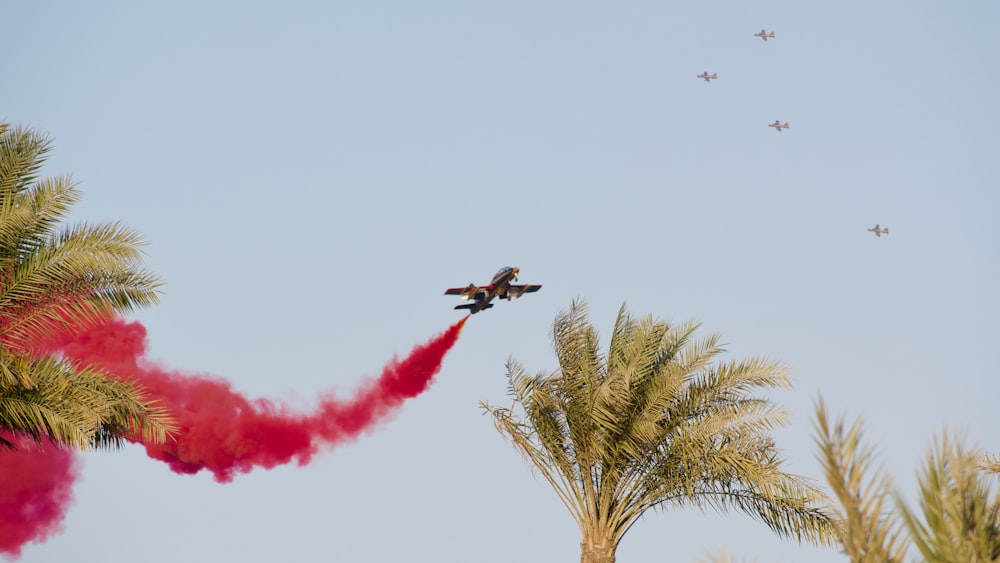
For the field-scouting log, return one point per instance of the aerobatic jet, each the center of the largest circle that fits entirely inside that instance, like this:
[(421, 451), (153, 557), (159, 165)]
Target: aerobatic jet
[(764, 35), (481, 295), (708, 77), (879, 232), (778, 126)]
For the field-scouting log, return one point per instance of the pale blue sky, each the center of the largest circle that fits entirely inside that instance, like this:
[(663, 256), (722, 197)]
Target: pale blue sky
[(312, 176)]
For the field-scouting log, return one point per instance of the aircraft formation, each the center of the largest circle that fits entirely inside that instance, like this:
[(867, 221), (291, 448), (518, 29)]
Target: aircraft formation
[(778, 125), (480, 297), (765, 35)]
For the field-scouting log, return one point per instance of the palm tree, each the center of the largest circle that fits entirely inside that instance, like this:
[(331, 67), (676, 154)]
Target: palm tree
[(871, 531), (961, 512), (654, 423), (53, 279)]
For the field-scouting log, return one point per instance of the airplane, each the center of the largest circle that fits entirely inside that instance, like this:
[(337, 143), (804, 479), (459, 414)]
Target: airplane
[(481, 295), (708, 77), (879, 232), (764, 35), (778, 126)]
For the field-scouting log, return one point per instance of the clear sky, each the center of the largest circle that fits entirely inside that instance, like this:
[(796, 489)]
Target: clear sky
[(311, 176)]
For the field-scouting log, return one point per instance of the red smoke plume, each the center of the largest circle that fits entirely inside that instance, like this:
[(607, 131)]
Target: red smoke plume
[(220, 429), (35, 490)]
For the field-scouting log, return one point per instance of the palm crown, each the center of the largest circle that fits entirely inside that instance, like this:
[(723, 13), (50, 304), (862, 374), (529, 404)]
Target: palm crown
[(654, 423), (54, 278)]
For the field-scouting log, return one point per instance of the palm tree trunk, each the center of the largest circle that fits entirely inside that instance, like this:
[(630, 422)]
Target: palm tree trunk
[(597, 550)]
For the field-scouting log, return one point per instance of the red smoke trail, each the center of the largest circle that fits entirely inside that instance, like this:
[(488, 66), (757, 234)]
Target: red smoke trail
[(220, 429), (226, 433), (35, 491)]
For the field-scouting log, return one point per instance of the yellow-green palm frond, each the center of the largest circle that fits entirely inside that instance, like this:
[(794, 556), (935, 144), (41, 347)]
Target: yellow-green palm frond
[(22, 154), (541, 401), (86, 274), (870, 531), (721, 467), (54, 278), (555, 468), (78, 408), (959, 516), (576, 343), (31, 216), (83, 272), (990, 464)]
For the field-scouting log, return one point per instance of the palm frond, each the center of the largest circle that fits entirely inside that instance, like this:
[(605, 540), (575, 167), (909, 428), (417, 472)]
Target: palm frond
[(22, 154), (990, 464), (30, 216), (870, 532), (525, 441), (82, 275), (76, 407), (959, 517)]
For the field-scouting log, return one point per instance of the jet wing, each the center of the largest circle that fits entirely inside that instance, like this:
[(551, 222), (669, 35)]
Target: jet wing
[(467, 292), (516, 291)]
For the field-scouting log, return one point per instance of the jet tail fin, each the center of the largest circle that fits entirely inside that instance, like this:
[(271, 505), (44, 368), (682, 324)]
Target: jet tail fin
[(471, 305)]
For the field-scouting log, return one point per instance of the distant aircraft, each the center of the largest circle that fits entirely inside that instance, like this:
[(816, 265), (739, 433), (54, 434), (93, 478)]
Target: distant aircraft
[(499, 287), (708, 77), (778, 126), (879, 232), (764, 35)]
